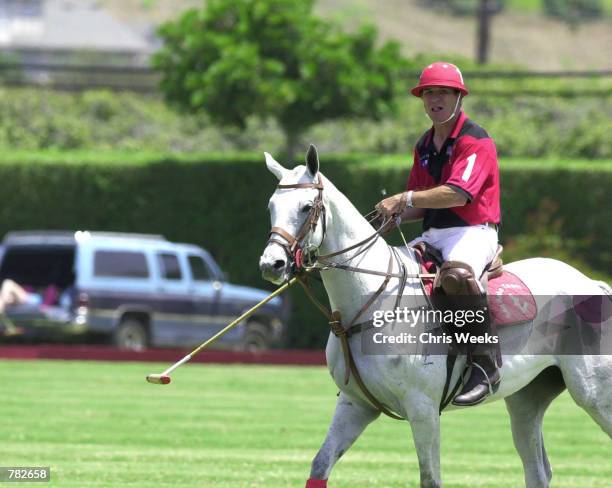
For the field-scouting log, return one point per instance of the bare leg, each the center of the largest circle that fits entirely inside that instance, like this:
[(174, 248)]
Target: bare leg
[(526, 408), (11, 293), (350, 420)]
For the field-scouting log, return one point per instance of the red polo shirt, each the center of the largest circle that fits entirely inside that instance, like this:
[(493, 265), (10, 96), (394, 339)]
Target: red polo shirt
[(467, 162)]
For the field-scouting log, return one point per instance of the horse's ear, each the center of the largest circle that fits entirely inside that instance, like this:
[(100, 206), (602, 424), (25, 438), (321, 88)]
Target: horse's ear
[(312, 160), (274, 166)]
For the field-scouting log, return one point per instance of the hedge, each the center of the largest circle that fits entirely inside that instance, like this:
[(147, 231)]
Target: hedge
[(522, 126), (220, 203)]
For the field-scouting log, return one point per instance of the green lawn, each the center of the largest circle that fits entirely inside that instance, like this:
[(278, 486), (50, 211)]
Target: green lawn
[(102, 425)]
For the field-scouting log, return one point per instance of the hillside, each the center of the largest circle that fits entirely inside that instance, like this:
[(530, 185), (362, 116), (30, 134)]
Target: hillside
[(518, 37)]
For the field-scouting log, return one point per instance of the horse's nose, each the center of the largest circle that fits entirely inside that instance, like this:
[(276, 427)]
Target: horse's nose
[(273, 265), (268, 265)]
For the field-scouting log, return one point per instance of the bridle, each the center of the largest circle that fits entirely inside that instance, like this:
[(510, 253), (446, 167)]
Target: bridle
[(302, 256), (294, 245)]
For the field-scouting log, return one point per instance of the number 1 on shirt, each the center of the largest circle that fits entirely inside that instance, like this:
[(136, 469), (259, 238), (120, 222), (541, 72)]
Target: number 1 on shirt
[(470, 166)]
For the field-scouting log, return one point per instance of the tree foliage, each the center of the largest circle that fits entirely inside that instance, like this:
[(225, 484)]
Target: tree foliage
[(573, 11), (275, 58)]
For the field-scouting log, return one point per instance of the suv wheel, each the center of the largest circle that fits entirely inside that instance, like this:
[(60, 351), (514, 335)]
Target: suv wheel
[(131, 334), (256, 337)]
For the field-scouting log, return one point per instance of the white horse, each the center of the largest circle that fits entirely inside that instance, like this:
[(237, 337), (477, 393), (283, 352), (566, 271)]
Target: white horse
[(408, 384)]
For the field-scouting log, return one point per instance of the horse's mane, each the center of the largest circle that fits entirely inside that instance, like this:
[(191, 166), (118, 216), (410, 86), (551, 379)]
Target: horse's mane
[(331, 195)]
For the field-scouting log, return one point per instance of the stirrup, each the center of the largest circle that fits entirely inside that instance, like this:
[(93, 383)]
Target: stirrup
[(491, 392)]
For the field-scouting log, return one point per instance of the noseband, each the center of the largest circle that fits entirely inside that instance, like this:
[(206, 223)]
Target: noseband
[(293, 245)]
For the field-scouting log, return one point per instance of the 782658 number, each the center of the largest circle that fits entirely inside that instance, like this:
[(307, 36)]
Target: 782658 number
[(24, 473)]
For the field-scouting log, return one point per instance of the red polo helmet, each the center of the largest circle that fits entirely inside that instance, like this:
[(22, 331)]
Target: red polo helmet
[(443, 74)]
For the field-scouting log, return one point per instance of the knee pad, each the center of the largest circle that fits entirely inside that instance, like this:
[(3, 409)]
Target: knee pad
[(456, 278)]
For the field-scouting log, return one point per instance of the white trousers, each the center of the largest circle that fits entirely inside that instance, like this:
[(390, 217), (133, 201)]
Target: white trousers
[(474, 245)]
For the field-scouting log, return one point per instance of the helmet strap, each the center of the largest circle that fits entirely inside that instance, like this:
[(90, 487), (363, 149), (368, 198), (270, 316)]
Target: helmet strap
[(454, 111)]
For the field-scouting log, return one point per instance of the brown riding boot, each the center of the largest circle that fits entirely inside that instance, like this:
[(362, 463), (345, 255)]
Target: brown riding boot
[(484, 380), (456, 289)]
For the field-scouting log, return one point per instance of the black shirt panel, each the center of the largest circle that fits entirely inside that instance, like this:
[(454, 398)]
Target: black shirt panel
[(430, 157), (443, 218), (472, 129)]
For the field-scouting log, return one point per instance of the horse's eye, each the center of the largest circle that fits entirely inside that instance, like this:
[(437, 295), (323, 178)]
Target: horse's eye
[(307, 207)]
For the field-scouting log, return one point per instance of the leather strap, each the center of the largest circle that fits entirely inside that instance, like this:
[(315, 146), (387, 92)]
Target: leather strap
[(450, 365), (335, 323), (318, 185), (376, 294), (284, 234)]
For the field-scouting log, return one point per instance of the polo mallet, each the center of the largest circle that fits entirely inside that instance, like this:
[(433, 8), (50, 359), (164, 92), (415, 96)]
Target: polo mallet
[(164, 378)]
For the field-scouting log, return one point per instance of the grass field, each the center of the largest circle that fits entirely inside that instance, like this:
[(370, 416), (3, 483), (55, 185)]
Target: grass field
[(102, 425)]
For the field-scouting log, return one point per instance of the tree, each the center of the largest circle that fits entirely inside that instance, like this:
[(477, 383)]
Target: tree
[(486, 9), (275, 58)]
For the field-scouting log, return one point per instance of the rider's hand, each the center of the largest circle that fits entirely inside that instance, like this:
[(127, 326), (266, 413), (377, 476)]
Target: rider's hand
[(392, 206)]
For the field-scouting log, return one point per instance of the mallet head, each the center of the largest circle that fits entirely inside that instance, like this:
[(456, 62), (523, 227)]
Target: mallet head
[(158, 379)]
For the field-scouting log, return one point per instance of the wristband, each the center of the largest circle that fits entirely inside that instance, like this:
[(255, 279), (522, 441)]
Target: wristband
[(409, 199)]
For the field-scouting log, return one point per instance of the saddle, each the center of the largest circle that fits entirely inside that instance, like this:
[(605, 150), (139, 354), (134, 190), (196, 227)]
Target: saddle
[(510, 300), (431, 260)]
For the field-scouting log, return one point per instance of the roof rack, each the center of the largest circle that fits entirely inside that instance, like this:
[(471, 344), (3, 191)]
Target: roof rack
[(72, 236), (126, 235)]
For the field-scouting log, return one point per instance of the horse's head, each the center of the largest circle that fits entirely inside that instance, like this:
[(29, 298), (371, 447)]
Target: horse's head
[(298, 217)]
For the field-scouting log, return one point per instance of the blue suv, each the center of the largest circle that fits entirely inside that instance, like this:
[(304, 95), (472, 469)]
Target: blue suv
[(139, 290)]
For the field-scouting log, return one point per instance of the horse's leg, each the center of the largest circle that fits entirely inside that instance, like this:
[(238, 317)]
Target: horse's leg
[(526, 408), (589, 381), (424, 421), (349, 421)]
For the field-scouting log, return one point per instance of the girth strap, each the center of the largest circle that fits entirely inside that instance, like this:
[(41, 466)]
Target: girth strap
[(450, 365)]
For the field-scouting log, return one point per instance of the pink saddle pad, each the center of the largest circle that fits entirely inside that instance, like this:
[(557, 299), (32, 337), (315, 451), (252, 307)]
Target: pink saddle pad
[(510, 301)]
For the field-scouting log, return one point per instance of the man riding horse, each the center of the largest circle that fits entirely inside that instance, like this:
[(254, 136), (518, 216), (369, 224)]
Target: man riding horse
[(454, 187)]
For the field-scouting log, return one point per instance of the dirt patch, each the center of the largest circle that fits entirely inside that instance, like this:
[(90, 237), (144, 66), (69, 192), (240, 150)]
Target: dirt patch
[(530, 40)]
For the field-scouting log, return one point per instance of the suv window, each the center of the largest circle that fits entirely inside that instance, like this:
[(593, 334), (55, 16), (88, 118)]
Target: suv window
[(126, 264), (199, 270), (169, 265), (39, 266)]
